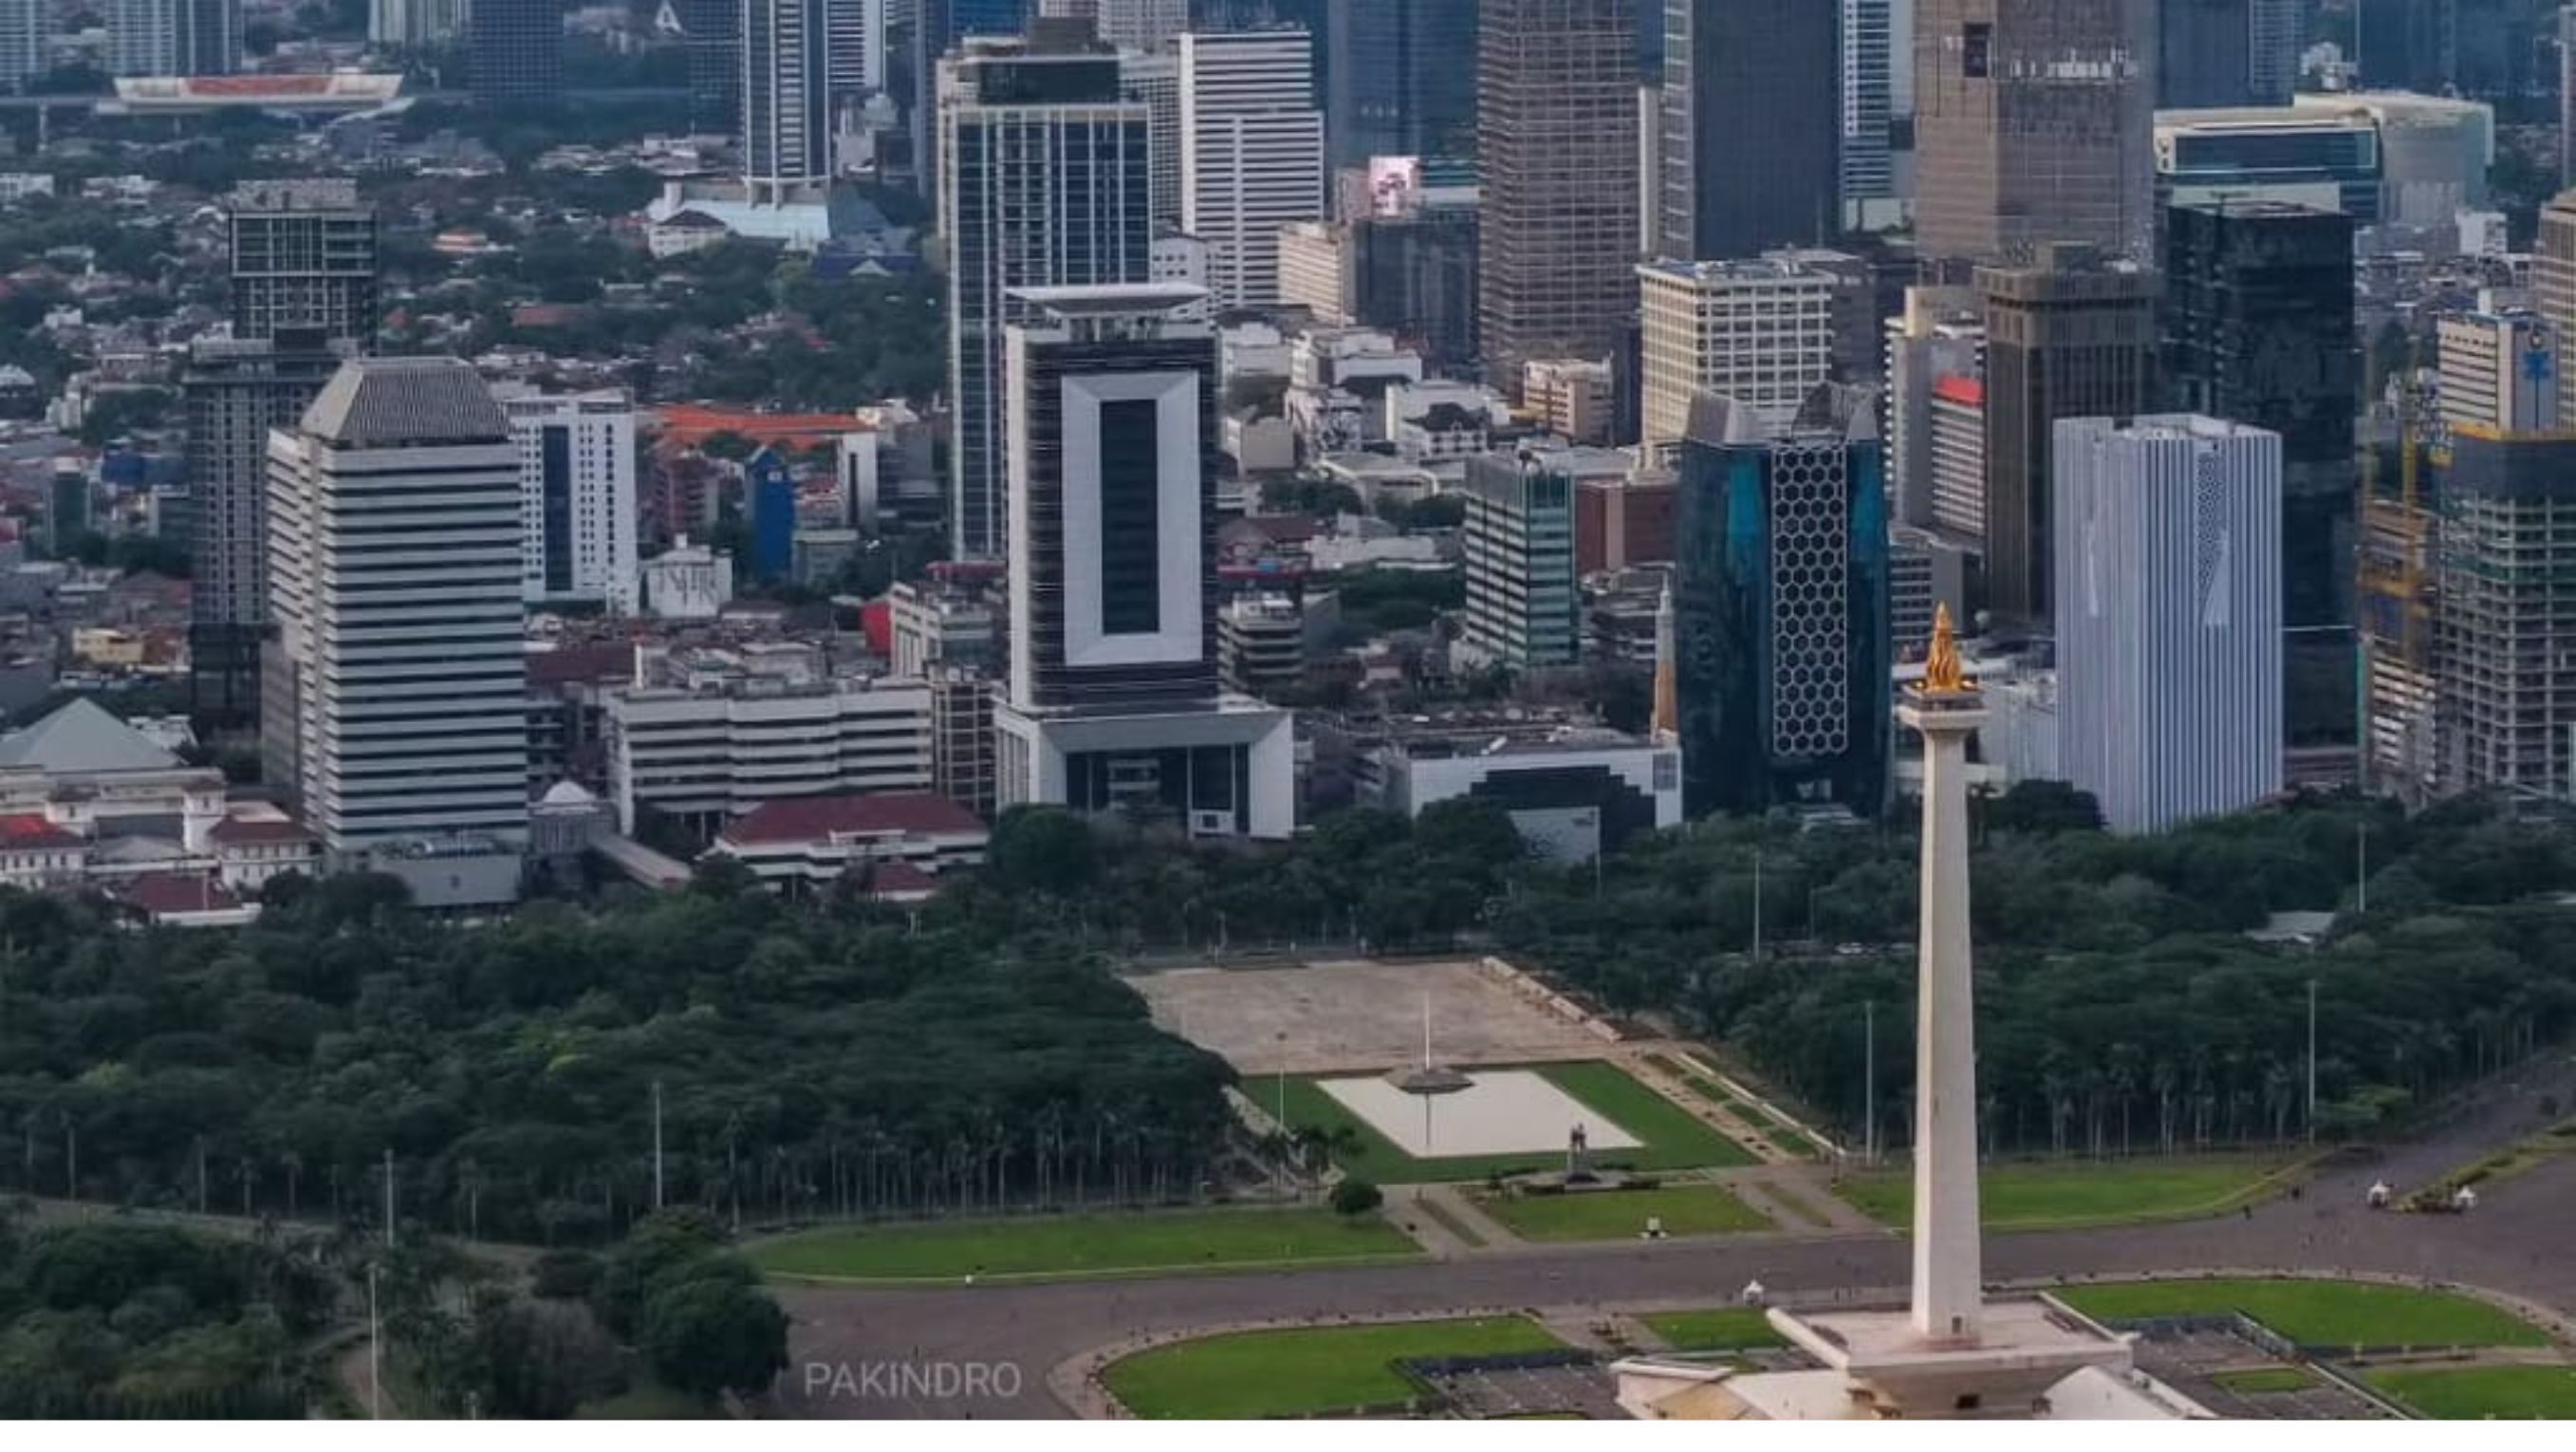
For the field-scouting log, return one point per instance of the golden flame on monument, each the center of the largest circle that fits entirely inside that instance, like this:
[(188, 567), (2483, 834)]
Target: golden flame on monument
[(1943, 675)]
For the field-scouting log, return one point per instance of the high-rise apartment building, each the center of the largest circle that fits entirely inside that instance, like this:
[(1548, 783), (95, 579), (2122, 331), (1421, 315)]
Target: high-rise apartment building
[(394, 582), (173, 37), (577, 496), (25, 26), (1759, 332), (1401, 82), (1780, 600), (1114, 702), (2498, 370), (2033, 122), (303, 297), (1751, 127), (854, 42), (1145, 25), (2257, 327), (2071, 336), (1522, 604), (303, 257), (1048, 182), (786, 89), (516, 52), (2169, 677), (1556, 158), (1252, 154)]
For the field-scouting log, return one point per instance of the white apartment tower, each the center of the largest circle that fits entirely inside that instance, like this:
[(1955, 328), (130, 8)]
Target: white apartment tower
[(1759, 331), (1252, 154), (394, 581), (1146, 25), (786, 88), (2168, 539), (23, 27), (1152, 79), (577, 496)]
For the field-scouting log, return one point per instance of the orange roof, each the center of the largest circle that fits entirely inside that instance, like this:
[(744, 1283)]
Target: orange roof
[(1967, 392), (691, 424), (30, 831), (304, 85)]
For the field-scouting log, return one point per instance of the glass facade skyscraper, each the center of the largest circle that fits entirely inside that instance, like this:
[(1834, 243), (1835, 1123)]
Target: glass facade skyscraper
[(1780, 599)]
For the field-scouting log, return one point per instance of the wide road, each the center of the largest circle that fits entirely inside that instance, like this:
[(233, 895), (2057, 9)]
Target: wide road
[(868, 1352)]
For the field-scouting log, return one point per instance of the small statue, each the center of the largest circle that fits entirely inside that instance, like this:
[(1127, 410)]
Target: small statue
[(1943, 675)]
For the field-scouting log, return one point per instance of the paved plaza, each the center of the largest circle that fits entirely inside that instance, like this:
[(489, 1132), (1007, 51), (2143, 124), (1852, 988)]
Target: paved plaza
[(1505, 1111), (1359, 1017)]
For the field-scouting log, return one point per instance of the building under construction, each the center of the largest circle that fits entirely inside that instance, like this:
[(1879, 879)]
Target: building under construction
[(2467, 590)]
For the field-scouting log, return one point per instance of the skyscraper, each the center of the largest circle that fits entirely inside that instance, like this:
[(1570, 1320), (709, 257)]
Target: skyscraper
[(854, 38), (2406, 45), (1146, 25), (2553, 281), (786, 89), (2169, 694), (1869, 94), (24, 26), (2033, 123), (576, 496), (393, 543), (1400, 82), (1780, 603), (516, 55), (1152, 79), (713, 38), (1751, 127), (1252, 154), (2506, 703), (1047, 183), (2204, 56), (303, 296), (303, 256), (1113, 700), (173, 37), (2257, 327), (2499, 371), (935, 29), (1556, 155), (2072, 336)]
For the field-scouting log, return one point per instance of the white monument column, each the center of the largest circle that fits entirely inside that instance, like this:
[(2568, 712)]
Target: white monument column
[(1948, 1264)]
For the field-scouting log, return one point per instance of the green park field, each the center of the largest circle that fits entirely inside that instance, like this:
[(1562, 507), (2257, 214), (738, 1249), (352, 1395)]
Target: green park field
[(2473, 1393), (1729, 1328), (1622, 1214), (2065, 1195), (1671, 1139), (1306, 1371), (1079, 1245), (2317, 1313)]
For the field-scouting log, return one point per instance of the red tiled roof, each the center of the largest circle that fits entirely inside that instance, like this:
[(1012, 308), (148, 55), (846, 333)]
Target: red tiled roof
[(899, 879), (177, 892), (27, 831), (1960, 390), (806, 819), (248, 830)]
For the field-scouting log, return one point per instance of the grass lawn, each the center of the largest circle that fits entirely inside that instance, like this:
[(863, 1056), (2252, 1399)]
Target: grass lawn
[(2030, 1196), (1671, 1138), (1305, 1371), (1733, 1328), (1079, 1244), (2255, 1381), (2318, 1313), (2472, 1393), (1621, 1214), (647, 1401)]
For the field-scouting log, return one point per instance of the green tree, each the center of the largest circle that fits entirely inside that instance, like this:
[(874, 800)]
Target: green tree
[(1356, 1197)]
